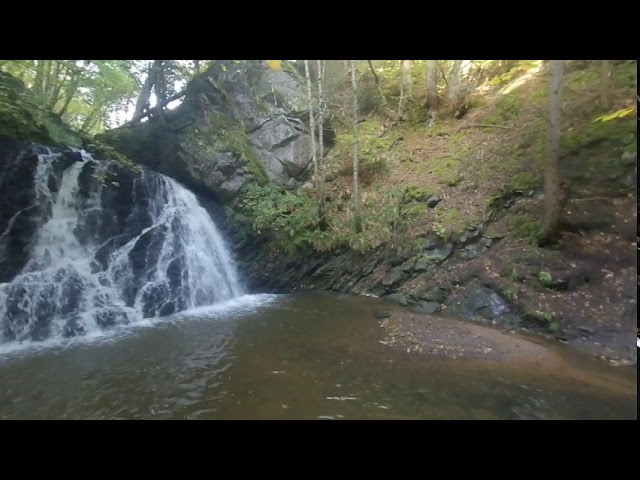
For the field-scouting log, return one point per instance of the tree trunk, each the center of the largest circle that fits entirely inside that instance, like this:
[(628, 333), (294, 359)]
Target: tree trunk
[(432, 85), (320, 138), (383, 99), (312, 127), (143, 99), (356, 189), (46, 84), (154, 110), (454, 84), (70, 92), (39, 78), (196, 64), (552, 176), (405, 86), (605, 84), (57, 86)]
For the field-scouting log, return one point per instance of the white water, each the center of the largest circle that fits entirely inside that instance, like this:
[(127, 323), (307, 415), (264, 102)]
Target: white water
[(63, 289)]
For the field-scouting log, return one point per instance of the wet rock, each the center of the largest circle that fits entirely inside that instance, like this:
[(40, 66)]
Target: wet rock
[(433, 201), (628, 158), (559, 284), (439, 255), (587, 329), (409, 264), (397, 299), (394, 278), (437, 294), (19, 217), (428, 307), (371, 264), (380, 314), (476, 299), (400, 257), (468, 235)]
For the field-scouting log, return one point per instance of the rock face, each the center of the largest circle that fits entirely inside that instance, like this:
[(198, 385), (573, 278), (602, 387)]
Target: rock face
[(238, 121), (18, 215)]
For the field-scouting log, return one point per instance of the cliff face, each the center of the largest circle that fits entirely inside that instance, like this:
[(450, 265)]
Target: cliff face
[(238, 121)]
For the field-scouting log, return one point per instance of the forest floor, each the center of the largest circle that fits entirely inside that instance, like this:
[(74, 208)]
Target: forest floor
[(584, 288)]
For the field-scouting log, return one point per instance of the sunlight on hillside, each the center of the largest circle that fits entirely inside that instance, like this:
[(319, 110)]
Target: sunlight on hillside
[(531, 72)]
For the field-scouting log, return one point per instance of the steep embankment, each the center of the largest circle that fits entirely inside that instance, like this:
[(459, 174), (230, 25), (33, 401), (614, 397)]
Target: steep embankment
[(461, 236)]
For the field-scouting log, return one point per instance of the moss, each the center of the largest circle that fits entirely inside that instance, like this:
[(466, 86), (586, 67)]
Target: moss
[(447, 170), (231, 136), (414, 192), (526, 182), (509, 106), (450, 221), (107, 152), (527, 227), (416, 210)]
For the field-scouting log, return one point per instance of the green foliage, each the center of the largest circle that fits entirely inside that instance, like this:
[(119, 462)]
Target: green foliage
[(21, 116), (18, 111), (545, 278), (510, 294), (527, 227), (440, 230), (617, 130), (525, 182), (374, 150), (291, 219), (548, 319)]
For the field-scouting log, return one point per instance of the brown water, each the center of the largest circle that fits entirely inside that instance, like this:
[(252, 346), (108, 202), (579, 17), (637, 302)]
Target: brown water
[(291, 357)]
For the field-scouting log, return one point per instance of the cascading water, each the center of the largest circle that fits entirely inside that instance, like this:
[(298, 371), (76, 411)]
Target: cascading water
[(111, 247)]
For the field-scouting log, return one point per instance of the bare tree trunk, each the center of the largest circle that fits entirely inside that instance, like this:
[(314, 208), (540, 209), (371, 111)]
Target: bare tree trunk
[(454, 84), (605, 84), (383, 99), (320, 138), (432, 85), (356, 163), (196, 64), (39, 78), (312, 127), (56, 87), (552, 176), (70, 92), (143, 99), (405, 86)]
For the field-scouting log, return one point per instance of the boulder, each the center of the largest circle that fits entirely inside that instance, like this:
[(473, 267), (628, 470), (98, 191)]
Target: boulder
[(239, 121)]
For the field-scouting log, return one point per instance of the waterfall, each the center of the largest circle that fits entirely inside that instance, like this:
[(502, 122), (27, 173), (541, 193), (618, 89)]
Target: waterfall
[(111, 247)]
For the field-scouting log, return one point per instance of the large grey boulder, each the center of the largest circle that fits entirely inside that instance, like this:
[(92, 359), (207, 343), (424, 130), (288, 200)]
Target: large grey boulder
[(239, 121)]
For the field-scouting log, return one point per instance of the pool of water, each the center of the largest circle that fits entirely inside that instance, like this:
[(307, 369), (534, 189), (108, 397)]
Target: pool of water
[(310, 356)]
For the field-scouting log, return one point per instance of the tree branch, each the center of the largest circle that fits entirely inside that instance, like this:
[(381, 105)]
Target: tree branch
[(375, 75), (160, 105)]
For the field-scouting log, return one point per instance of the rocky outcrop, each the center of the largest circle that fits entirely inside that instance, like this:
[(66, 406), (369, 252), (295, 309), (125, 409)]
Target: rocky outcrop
[(239, 121), (18, 215)]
